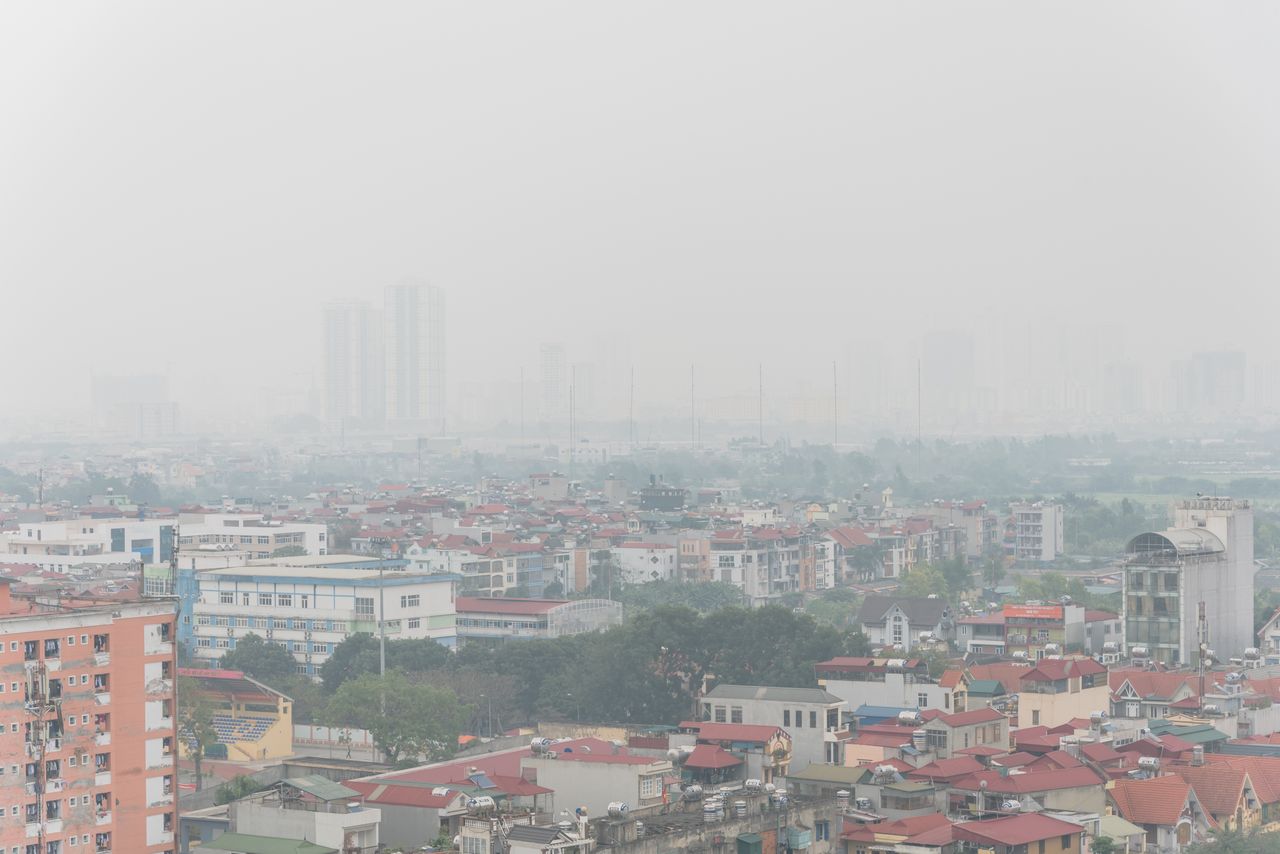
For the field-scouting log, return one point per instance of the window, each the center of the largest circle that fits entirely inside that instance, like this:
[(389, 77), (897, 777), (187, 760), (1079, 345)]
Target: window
[(719, 714), (651, 786), (306, 601), (265, 599), (415, 623), (735, 715), (922, 700), (821, 831), (799, 719), (1035, 717), (284, 600), (364, 606), (786, 717), (813, 720), (1065, 842), (1041, 848), (412, 601), (226, 597)]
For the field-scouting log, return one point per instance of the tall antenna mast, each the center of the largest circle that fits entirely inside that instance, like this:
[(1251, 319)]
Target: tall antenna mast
[(522, 406), (919, 416), (573, 387), (631, 412)]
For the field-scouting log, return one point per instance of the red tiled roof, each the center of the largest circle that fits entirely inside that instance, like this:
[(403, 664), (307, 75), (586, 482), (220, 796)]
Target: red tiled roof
[(1218, 787), (375, 792), (1158, 800), (645, 546), (1264, 773), (941, 769), (910, 829), (501, 605), (711, 756), (1021, 784), (977, 716), (1055, 669), (1016, 829), (1101, 753), (760, 733)]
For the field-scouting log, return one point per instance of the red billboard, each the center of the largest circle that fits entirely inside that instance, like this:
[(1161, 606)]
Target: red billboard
[(1033, 612)]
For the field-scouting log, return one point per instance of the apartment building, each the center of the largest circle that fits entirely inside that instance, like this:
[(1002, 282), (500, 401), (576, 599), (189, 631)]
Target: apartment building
[(1037, 531), (763, 562), (310, 610), (91, 726), (252, 533), (811, 716), (640, 563), (58, 546), (1202, 567)]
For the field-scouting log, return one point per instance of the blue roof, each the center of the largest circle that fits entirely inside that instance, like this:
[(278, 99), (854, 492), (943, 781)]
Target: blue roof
[(868, 711)]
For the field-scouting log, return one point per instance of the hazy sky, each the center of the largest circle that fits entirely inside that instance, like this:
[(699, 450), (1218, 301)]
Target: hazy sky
[(182, 185)]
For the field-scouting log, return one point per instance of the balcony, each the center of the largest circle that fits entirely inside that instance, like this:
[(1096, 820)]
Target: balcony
[(102, 778), (163, 800), (102, 698), (102, 739), (33, 829), (102, 817), (160, 686), (102, 659), (158, 648), (52, 786)]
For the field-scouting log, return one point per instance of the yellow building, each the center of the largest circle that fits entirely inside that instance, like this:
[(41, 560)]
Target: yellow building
[(252, 720), (1058, 690)]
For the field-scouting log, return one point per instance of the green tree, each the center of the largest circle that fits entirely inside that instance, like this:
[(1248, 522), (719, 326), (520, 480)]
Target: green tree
[(234, 789), (958, 575), (922, 581), (1237, 842), (289, 551), (262, 659), (360, 653), (195, 723), (1102, 845), (406, 720)]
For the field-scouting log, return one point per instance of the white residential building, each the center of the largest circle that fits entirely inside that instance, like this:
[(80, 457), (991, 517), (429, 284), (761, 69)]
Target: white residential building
[(1037, 531), (310, 610), (639, 563), (252, 533), (60, 545), (812, 716)]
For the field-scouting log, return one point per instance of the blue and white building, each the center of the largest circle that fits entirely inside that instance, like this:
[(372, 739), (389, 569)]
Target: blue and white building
[(309, 610)]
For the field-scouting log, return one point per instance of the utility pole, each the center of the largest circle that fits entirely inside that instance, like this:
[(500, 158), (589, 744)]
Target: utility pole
[(573, 387), (382, 633)]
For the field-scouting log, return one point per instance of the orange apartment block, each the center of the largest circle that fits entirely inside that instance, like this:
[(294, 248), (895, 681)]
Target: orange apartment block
[(88, 734)]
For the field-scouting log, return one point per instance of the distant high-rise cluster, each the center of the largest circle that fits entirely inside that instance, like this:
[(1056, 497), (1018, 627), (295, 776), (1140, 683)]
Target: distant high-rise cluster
[(387, 366)]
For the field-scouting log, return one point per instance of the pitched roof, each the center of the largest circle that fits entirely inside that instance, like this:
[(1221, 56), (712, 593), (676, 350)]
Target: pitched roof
[(1218, 787), (976, 716), (759, 733), (947, 768), (919, 611), (1056, 669), (247, 843), (775, 694), (908, 830), (1023, 784), (711, 756), (1158, 800), (1016, 829), (407, 795)]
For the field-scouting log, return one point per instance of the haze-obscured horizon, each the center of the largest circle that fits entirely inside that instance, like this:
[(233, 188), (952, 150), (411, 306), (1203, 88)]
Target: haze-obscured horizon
[(1015, 196)]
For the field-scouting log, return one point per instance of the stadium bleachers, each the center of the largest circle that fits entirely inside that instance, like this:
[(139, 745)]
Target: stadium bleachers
[(232, 729)]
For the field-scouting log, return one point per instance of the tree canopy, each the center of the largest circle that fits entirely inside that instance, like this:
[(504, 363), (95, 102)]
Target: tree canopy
[(264, 660), (407, 720)]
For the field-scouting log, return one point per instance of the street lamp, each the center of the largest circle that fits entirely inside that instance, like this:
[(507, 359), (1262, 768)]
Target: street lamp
[(577, 707)]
